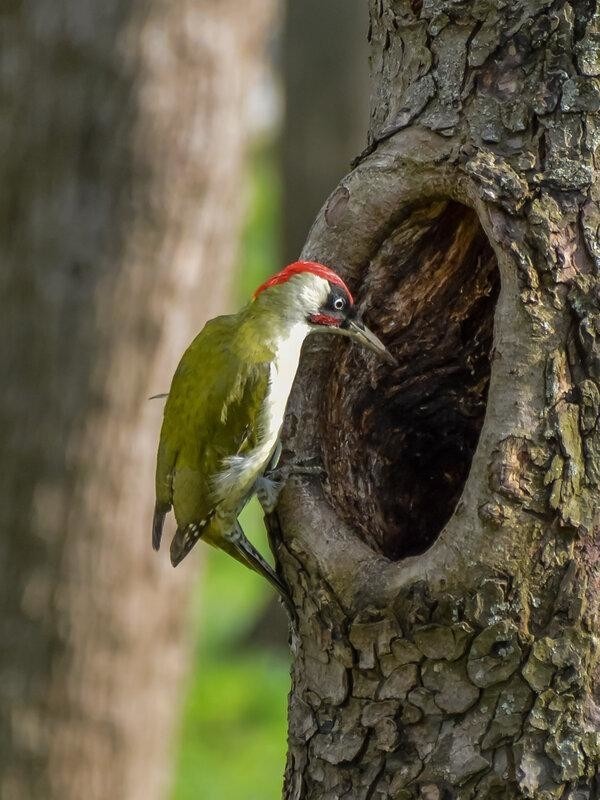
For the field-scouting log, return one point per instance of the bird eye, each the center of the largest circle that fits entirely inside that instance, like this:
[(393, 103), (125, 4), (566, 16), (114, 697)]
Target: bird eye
[(339, 303)]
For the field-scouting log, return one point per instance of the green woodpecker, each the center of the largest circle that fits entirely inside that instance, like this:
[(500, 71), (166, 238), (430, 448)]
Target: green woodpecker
[(226, 404)]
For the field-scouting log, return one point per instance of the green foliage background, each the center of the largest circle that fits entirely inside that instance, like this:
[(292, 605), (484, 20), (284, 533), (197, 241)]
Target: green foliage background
[(233, 737)]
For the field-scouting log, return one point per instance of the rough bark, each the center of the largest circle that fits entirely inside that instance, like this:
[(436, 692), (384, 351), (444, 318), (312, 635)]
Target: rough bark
[(122, 142), (445, 572)]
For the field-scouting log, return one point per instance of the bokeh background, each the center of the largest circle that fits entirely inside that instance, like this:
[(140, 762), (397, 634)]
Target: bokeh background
[(137, 140)]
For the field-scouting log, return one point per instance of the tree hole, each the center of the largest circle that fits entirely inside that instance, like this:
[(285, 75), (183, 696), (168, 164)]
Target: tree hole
[(398, 441)]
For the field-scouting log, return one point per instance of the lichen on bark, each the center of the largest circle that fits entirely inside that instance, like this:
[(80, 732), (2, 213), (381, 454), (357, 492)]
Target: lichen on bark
[(451, 652)]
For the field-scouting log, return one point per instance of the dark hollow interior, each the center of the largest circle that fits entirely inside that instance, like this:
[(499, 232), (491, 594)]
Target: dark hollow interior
[(399, 440)]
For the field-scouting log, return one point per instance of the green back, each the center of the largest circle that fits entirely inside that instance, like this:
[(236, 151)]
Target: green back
[(212, 412)]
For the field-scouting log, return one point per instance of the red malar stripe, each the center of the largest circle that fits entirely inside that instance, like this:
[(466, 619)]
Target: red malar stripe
[(325, 319)]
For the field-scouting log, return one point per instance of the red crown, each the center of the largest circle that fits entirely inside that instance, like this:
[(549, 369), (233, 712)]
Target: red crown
[(297, 268)]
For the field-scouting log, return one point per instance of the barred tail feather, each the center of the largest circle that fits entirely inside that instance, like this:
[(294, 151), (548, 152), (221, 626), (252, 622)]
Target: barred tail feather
[(245, 552), (186, 538)]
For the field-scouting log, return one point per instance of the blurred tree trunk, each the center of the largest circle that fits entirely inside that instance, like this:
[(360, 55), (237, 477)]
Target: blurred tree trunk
[(446, 572), (122, 144), (326, 82)]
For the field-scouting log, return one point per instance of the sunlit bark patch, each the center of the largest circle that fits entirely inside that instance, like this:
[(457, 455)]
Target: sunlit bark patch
[(398, 442)]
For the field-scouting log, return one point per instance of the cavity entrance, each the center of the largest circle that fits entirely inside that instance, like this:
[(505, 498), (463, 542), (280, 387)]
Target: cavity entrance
[(398, 442)]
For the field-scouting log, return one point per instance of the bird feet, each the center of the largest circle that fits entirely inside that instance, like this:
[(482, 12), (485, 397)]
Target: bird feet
[(268, 490), (269, 486)]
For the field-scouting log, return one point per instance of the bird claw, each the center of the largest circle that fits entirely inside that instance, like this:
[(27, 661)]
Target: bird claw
[(269, 486), (268, 491), (282, 474)]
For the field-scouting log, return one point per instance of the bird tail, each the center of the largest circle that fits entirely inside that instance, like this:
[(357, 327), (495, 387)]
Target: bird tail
[(237, 545), (157, 526), (186, 538)]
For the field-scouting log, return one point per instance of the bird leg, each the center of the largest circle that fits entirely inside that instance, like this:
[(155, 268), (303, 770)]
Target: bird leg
[(269, 486), (268, 490)]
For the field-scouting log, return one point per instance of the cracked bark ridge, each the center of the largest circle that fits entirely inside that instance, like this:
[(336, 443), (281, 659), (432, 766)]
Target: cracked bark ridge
[(445, 571)]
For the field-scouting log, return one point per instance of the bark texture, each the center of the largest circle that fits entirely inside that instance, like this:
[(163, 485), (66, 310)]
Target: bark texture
[(445, 572), (118, 221)]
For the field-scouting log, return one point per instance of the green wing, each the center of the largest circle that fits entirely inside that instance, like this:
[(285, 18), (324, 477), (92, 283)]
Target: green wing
[(212, 412)]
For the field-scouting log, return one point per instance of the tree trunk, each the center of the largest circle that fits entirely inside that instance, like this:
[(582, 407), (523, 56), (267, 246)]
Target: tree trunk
[(122, 143), (446, 571)]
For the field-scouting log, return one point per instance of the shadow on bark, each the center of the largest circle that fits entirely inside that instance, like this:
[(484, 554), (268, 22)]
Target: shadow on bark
[(393, 439)]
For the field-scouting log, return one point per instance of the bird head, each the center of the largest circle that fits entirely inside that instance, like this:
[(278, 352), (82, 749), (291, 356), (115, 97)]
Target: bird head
[(313, 294)]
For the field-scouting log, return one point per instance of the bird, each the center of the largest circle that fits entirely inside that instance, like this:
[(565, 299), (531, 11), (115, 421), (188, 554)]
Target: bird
[(220, 437)]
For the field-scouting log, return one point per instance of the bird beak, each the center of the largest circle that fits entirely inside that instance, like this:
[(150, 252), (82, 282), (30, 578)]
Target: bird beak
[(357, 330)]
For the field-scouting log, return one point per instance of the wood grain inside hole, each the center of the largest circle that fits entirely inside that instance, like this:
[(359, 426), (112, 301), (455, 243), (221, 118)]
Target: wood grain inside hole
[(398, 442)]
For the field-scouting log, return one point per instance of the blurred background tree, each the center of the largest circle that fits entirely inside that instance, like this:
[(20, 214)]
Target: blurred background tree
[(121, 151)]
